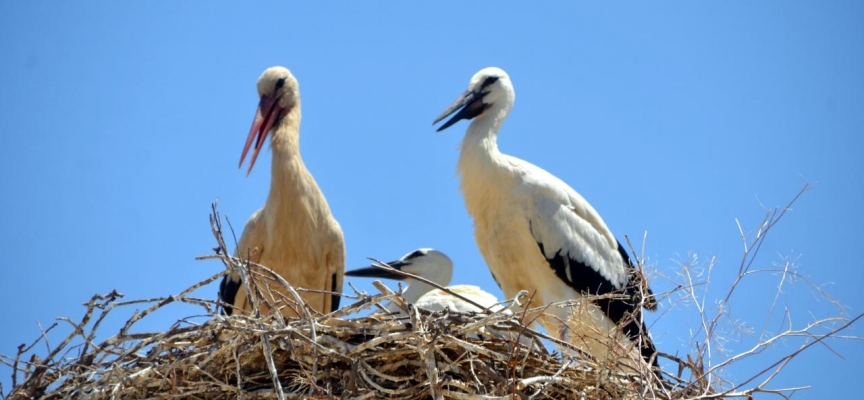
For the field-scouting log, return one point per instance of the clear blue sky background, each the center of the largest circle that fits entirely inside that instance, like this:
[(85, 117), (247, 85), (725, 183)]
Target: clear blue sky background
[(122, 122)]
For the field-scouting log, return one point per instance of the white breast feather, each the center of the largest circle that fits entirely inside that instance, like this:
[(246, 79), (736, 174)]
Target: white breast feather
[(437, 300)]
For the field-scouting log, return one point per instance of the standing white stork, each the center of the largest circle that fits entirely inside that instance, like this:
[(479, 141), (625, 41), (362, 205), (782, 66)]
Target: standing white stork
[(435, 266), (294, 234), (538, 234)]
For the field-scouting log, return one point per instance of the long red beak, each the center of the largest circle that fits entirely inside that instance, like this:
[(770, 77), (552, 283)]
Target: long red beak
[(265, 116)]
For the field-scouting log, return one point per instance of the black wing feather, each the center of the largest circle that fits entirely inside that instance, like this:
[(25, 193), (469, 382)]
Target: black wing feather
[(228, 289), (334, 302), (626, 312)]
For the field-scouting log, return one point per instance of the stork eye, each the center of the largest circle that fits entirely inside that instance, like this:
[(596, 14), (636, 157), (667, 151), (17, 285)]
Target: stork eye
[(415, 254), (279, 84), (490, 80)]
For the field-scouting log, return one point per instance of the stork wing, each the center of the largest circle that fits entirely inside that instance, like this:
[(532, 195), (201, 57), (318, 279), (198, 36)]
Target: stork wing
[(564, 224), (336, 265), (579, 247), (251, 246)]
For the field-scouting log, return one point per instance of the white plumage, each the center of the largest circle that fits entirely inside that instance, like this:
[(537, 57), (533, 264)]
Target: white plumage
[(294, 234), (538, 234), (436, 267)]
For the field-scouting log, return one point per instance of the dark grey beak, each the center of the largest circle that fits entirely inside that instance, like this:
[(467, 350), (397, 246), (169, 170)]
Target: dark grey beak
[(469, 105), (375, 272)]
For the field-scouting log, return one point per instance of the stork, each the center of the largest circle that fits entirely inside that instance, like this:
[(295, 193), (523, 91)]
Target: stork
[(436, 267), (294, 234), (538, 234)]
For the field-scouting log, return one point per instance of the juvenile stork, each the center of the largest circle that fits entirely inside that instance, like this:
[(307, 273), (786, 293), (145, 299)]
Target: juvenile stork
[(435, 266), (538, 234), (294, 234)]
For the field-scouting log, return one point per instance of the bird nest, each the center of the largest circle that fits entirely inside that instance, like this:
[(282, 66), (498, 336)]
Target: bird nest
[(410, 355), (421, 355), (351, 354)]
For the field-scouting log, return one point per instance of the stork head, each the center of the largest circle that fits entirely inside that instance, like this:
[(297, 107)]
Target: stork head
[(279, 93), (427, 263), (490, 88)]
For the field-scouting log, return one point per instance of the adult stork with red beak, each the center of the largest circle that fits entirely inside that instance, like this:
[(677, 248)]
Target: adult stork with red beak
[(294, 234)]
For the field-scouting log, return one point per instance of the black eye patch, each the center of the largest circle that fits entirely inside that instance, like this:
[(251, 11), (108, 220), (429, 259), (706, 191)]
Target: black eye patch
[(490, 80), (279, 84), (414, 255)]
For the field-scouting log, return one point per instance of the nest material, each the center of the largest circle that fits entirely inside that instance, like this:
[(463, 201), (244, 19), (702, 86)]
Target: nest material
[(415, 354), (424, 355), (410, 355)]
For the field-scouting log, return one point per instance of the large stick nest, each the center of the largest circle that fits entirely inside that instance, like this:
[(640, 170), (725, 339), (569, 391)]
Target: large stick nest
[(410, 355), (424, 355)]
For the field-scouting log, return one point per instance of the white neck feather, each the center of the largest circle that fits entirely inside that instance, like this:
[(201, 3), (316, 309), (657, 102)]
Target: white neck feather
[(438, 272), (482, 135), (292, 187), (480, 160), (417, 289)]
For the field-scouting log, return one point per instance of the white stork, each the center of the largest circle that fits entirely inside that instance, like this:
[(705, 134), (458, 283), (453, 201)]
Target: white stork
[(294, 234), (436, 267), (538, 234)]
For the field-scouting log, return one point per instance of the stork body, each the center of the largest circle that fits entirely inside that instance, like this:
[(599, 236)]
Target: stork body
[(294, 234), (436, 267), (538, 234)]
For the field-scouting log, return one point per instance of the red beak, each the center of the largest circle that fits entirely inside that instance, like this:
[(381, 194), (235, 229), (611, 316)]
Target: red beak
[(266, 115)]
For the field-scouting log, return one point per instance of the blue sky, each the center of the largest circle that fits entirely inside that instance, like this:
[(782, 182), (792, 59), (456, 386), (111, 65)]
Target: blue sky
[(122, 122)]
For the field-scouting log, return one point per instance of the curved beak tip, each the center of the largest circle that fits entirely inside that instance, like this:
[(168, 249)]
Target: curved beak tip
[(265, 117)]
